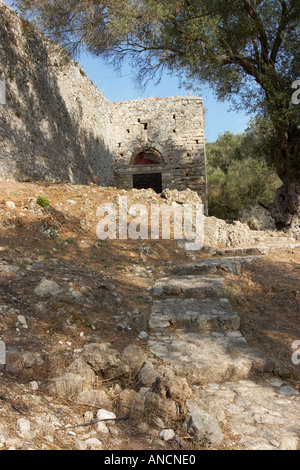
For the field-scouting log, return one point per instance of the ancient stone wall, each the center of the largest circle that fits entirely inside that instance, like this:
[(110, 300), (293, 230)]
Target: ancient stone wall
[(56, 125)]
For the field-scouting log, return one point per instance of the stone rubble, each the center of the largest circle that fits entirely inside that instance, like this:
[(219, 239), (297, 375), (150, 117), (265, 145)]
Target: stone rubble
[(257, 217)]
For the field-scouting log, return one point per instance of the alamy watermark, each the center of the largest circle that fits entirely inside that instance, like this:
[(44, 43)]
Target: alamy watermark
[(296, 355), (2, 92), (2, 353), (138, 222), (296, 94)]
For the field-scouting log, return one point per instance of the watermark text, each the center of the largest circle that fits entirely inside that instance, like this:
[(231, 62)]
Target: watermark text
[(296, 355), (138, 222), (2, 353), (2, 92), (296, 94)]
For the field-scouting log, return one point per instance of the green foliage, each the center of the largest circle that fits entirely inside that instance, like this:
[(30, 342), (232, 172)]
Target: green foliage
[(42, 201), (225, 150), (236, 175)]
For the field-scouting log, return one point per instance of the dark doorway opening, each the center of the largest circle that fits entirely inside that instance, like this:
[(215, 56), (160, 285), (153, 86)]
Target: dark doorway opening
[(148, 180)]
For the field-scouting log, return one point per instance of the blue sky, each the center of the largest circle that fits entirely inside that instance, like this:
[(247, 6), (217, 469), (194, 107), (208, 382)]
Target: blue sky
[(121, 88)]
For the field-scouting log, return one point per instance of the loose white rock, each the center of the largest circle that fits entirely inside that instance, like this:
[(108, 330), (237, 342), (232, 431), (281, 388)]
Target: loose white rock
[(22, 320), (289, 443), (81, 445), (143, 335), (94, 444), (167, 434), (10, 205), (102, 428), (34, 385), (104, 414), (23, 425), (47, 288)]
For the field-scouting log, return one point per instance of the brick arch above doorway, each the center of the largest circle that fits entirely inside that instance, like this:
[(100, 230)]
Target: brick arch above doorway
[(147, 156)]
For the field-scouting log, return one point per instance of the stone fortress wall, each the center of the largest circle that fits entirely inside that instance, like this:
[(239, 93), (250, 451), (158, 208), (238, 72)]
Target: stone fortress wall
[(174, 128), (57, 126)]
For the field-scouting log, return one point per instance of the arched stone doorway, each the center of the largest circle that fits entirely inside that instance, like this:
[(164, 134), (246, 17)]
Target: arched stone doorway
[(149, 176)]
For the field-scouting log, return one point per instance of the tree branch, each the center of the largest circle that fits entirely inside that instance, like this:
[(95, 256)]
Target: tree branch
[(284, 20), (262, 35)]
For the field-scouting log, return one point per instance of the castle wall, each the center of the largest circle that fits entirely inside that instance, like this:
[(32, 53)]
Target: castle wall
[(56, 125)]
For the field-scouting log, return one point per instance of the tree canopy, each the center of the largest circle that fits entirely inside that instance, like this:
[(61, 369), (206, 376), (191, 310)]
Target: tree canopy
[(237, 46)]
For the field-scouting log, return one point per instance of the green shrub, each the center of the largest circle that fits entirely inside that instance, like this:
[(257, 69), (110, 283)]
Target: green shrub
[(42, 201), (236, 175)]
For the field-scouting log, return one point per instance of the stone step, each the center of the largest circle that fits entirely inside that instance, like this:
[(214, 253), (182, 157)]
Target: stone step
[(190, 286), (244, 251), (263, 414), (216, 266), (283, 246), (208, 358), (263, 249), (276, 240), (194, 314)]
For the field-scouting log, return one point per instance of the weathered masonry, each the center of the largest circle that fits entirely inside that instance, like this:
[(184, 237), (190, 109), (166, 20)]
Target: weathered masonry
[(160, 144), (57, 126)]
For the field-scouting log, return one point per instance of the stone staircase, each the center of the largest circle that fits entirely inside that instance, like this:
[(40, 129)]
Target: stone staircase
[(274, 240), (218, 265), (195, 331)]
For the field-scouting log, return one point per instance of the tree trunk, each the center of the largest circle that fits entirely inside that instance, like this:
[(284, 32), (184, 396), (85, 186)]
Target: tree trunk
[(286, 207)]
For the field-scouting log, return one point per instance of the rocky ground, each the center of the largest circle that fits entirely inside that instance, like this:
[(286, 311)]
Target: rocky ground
[(136, 333)]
